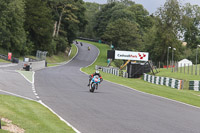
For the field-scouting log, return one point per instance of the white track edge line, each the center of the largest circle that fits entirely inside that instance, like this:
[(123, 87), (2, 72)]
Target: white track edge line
[(44, 106), (77, 131), (24, 76), (18, 95), (93, 61), (150, 94), (65, 62), (142, 91), (39, 101), (156, 95), (33, 78)]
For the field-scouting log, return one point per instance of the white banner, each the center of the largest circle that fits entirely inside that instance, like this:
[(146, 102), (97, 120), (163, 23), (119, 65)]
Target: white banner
[(129, 55)]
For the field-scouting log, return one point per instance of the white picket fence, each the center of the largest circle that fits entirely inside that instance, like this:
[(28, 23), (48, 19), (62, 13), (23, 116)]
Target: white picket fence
[(114, 71)]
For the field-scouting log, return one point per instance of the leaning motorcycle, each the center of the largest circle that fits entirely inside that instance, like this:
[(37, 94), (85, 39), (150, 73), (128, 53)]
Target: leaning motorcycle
[(94, 83)]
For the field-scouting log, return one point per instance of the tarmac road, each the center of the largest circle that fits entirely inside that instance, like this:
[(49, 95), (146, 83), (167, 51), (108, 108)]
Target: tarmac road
[(112, 108), (12, 83)]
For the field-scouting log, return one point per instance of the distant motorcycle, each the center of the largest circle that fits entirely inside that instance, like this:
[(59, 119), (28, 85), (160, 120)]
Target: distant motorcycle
[(94, 83)]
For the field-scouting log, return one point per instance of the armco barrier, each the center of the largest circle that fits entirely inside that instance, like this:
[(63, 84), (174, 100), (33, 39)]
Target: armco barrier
[(194, 85), (171, 82)]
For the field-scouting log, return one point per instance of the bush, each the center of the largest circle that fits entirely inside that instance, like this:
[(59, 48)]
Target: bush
[(118, 63), (61, 44)]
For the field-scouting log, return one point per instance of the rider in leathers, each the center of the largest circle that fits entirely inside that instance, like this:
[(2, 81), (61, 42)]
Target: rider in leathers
[(94, 74)]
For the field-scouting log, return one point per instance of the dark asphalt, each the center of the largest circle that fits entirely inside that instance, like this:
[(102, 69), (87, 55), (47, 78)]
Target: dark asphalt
[(12, 82), (112, 108)]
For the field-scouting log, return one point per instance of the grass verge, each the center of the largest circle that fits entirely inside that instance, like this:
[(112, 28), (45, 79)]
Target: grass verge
[(4, 61), (31, 116), (178, 75), (186, 96), (62, 57), (27, 74)]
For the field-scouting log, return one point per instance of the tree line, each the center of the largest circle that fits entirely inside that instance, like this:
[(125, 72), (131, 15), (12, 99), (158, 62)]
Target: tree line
[(129, 26), (47, 25)]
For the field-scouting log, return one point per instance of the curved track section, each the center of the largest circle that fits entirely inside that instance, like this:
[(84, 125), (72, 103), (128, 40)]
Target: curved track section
[(12, 83), (112, 108)]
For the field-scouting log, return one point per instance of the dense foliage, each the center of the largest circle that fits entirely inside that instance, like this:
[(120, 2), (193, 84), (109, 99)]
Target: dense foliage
[(12, 33), (47, 25), (51, 25), (128, 26)]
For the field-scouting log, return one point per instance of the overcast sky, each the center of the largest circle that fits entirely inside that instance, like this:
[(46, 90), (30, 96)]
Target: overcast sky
[(150, 5)]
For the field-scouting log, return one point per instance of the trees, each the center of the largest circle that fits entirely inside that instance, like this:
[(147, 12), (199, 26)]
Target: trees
[(129, 14), (29, 25), (123, 34), (168, 27), (165, 32), (141, 16), (69, 18), (39, 25), (12, 33), (191, 23), (91, 10), (102, 18)]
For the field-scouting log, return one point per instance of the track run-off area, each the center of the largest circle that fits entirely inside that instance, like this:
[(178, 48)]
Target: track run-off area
[(112, 108)]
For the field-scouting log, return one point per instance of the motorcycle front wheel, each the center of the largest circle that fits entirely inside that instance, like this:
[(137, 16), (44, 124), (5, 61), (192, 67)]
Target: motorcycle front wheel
[(92, 87)]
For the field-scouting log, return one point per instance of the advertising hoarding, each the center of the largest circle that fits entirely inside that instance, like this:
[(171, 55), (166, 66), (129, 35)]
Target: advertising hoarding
[(130, 55)]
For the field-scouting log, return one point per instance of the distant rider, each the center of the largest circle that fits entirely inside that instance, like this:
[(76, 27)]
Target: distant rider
[(88, 48), (94, 74)]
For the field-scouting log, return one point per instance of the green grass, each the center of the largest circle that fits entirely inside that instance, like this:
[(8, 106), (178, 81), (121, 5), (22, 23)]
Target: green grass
[(186, 96), (168, 73), (31, 116), (4, 61), (164, 72), (62, 57), (3, 123), (50, 65), (27, 56), (55, 59), (27, 74), (1, 130)]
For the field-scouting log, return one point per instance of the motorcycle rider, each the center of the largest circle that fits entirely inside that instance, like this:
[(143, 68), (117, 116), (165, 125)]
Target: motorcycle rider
[(88, 48), (94, 74)]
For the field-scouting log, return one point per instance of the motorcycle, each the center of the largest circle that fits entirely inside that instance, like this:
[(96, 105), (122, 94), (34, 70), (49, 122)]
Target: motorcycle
[(94, 83)]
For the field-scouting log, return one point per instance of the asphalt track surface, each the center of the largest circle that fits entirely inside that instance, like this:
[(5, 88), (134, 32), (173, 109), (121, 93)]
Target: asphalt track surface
[(12, 83), (112, 108)]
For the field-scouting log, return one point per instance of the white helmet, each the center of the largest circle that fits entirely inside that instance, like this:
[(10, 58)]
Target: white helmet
[(97, 72)]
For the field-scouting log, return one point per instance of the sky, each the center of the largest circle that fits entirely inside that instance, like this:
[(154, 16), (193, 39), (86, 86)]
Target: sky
[(150, 5)]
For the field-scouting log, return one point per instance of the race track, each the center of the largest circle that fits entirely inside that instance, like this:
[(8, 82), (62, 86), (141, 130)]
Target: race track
[(112, 108)]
